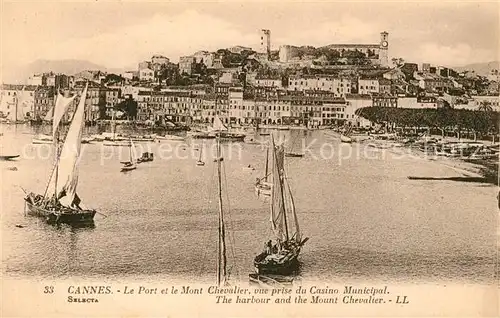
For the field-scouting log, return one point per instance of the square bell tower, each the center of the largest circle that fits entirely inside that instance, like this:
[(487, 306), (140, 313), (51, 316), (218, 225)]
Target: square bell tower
[(384, 49)]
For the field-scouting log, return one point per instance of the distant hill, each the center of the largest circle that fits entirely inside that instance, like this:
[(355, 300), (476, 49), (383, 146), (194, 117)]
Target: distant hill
[(479, 68), (69, 67)]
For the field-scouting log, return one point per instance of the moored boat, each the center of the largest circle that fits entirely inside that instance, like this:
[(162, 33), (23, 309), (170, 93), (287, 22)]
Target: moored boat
[(42, 139), (281, 258), (200, 161), (294, 154), (132, 163), (8, 157), (262, 186), (169, 137), (60, 202), (345, 139)]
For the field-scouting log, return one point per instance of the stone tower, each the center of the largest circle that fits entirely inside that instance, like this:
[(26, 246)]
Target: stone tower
[(383, 55), (265, 42)]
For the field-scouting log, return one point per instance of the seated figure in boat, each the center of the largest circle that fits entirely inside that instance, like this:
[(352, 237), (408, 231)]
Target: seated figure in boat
[(268, 247)]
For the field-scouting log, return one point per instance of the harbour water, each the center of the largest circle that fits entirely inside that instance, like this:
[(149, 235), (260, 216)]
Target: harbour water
[(364, 217)]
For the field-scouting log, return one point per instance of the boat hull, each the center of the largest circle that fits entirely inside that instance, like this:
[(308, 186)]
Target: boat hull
[(295, 155), (128, 168), (202, 136), (287, 266), (285, 262), (9, 157), (73, 216), (111, 143), (41, 141), (345, 139), (232, 137)]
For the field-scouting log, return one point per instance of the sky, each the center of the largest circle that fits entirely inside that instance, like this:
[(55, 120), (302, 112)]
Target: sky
[(119, 34)]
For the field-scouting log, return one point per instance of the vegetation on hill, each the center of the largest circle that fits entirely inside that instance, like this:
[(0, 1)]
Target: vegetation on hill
[(483, 121)]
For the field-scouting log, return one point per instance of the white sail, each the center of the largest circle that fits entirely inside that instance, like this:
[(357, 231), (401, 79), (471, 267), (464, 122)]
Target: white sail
[(133, 155), (218, 125), (277, 202), (66, 180), (49, 115), (60, 107)]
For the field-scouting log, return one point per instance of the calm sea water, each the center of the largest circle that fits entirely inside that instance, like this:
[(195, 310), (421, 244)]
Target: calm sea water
[(364, 217)]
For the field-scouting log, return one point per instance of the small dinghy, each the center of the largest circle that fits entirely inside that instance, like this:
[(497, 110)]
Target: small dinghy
[(9, 157), (132, 163)]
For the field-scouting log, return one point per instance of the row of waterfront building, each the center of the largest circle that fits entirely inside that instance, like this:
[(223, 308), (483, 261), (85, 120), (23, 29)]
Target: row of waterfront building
[(232, 103)]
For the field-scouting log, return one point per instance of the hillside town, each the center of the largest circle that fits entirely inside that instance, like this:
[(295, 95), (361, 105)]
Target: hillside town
[(306, 86)]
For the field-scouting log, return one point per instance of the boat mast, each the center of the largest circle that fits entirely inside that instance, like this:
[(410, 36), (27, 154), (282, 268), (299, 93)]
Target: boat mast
[(222, 260), (17, 101), (130, 152), (56, 142), (267, 162), (113, 123)]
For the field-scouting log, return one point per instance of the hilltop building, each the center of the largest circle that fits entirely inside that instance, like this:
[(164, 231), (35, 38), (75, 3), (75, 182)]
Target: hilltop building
[(265, 42), (378, 53)]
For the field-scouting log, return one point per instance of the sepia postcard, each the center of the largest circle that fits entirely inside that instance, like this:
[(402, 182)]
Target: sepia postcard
[(249, 158)]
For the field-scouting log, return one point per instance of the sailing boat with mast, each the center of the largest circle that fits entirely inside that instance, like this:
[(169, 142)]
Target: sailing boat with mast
[(224, 134), (292, 152), (19, 102), (132, 163), (60, 203), (282, 257), (200, 162), (344, 137), (262, 186), (115, 141)]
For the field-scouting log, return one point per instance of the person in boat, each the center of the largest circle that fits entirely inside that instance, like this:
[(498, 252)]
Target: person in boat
[(277, 247), (268, 247), (257, 181)]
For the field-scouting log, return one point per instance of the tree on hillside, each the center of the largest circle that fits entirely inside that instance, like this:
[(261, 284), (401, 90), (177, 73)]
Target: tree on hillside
[(129, 107)]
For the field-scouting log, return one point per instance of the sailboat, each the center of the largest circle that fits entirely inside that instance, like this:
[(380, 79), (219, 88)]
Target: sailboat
[(19, 102), (116, 141), (224, 134), (344, 137), (200, 162), (56, 115), (132, 163), (292, 153), (60, 203), (262, 186), (282, 257)]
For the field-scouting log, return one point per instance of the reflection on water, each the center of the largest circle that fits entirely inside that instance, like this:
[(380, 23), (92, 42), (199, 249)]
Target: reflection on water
[(364, 217)]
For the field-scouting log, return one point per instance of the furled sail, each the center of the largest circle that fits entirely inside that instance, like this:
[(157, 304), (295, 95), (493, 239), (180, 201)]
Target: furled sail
[(67, 173), (282, 204), (218, 125), (277, 202), (60, 107)]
